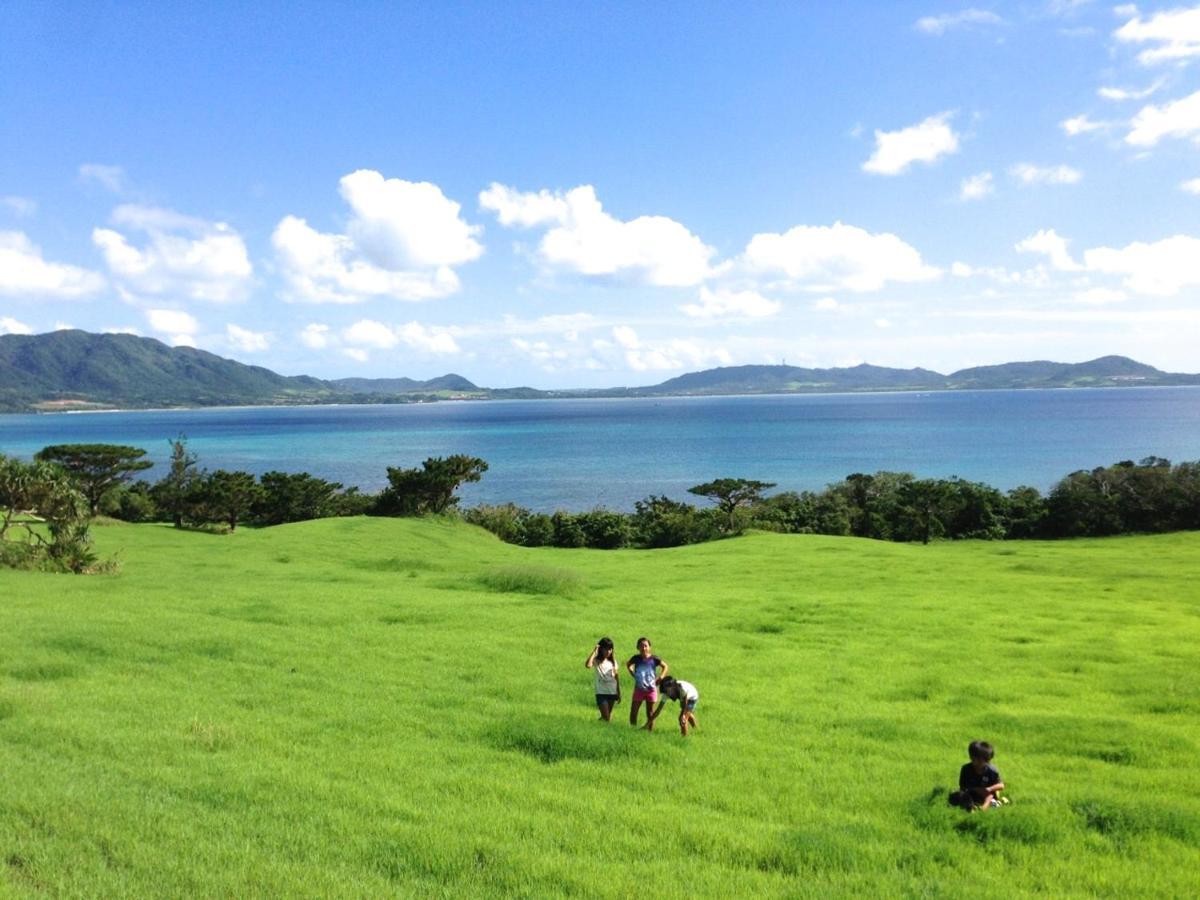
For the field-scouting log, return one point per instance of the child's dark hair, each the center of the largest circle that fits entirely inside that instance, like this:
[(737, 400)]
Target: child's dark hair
[(668, 685), (981, 750), (639, 641), (604, 647)]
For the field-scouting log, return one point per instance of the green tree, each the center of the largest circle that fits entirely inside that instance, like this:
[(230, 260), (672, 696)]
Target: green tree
[(229, 496), (172, 492), (96, 468), (732, 494), (297, 497), (37, 497), (429, 489)]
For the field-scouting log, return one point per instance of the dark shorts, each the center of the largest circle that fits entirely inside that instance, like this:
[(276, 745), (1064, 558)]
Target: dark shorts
[(690, 705), (607, 699)]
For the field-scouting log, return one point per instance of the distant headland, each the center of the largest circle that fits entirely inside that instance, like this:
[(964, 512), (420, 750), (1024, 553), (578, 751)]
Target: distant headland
[(77, 370)]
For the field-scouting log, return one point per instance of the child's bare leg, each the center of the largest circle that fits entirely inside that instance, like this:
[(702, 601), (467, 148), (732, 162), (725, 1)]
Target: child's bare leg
[(606, 711), (683, 724), (633, 711), (649, 715), (692, 719)]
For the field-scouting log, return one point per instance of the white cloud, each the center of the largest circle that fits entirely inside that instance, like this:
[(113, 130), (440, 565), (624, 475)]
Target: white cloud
[(1174, 35), (976, 187), (246, 340), (9, 325), (1048, 243), (428, 339), (1162, 268), (961, 270), (1118, 95), (824, 258), (1179, 118), (315, 336), (826, 304), (21, 207), (671, 354), (356, 354), (584, 238), (883, 323), (1029, 174), (182, 256), (402, 241), (1191, 186), (369, 333), (23, 271), (939, 25), (379, 336), (924, 142), (120, 329), (172, 321), (1081, 124), (1098, 296), (111, 178), (728, 304)]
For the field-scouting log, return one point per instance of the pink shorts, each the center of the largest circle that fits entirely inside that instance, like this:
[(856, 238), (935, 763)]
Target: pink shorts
[(650, 696)]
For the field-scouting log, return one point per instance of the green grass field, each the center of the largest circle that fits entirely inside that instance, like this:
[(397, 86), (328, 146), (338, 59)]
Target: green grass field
[(370, 707)]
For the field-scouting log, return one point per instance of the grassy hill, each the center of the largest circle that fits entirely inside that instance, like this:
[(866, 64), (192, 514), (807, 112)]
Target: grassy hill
[(371, 707)]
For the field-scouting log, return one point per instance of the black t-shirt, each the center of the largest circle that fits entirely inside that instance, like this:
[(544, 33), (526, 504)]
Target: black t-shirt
[(969, 779)]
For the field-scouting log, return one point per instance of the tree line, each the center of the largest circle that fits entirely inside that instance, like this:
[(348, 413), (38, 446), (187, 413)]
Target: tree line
[(46, 505)]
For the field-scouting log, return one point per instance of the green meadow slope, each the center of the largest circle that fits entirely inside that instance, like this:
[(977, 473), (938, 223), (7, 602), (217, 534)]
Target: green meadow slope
[(372, 707)]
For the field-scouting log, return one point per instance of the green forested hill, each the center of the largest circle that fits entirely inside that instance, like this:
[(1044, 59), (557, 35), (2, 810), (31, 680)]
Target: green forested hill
[(75, 369)]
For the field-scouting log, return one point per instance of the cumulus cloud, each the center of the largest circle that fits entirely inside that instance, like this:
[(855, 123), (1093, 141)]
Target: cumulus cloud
[(1179, 118), (1191, 186), (583, 238), (976, 187), (181, 256), (1098, 296), (1172, 35), (826, 304), (924, 142), (939, 25), (179, 326), (246, 340), (824, 258), (315, 336), (728, 304), (1054, 247), (21, 207), (9, 325), (1162, 268), (668, 355), (1118, 95), (403, 240), (1081, 124), (1029, 174), (369, 334), (23, 272), (111, 178)]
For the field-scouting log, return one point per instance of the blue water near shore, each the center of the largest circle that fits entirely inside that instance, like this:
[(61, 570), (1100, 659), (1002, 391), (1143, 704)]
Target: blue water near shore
[(578, 454)]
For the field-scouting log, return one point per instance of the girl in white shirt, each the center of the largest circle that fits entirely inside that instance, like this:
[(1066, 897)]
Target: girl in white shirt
[(608, 685)]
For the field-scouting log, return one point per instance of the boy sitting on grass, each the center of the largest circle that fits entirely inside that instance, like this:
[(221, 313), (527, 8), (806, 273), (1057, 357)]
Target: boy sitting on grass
[(687, 695), (979, 783)]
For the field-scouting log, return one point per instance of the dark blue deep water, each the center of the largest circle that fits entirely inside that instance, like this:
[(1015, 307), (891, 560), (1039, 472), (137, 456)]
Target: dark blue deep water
[(577, 454)]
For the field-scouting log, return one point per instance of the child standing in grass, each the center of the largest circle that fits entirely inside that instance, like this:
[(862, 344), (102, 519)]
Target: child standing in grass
[(608, 688), (686, 694), (644, 666), (979, 783)]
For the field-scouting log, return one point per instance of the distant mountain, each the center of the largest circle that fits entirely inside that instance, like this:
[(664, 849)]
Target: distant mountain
[(78, 370), (1107, 371), (450, 382), (790, 379)]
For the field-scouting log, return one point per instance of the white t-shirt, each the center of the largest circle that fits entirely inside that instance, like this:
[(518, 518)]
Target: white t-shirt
[(606, 677), (688, 690)]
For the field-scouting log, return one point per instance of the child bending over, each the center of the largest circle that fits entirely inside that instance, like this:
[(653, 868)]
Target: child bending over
[(685, 692)]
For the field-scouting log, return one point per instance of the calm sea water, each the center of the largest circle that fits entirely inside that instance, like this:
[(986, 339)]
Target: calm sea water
[(577, 454)]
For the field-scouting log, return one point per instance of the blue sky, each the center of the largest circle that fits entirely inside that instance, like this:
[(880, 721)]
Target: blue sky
[(567, 195)]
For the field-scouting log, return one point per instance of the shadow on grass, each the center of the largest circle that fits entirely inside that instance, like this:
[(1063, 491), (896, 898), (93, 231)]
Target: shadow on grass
[(550, 740), (543, 580)]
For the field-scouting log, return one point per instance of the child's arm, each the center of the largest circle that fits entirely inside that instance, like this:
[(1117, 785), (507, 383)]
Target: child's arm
[(629, 666), (995, 788), (617, 682), (665, 670), (592, 657), (658, 709)]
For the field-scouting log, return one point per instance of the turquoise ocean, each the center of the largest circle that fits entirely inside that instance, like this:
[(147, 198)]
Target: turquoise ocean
[(579, 454)]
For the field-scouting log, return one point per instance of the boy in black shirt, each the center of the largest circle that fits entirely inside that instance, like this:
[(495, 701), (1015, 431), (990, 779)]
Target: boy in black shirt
[(979, 783)]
